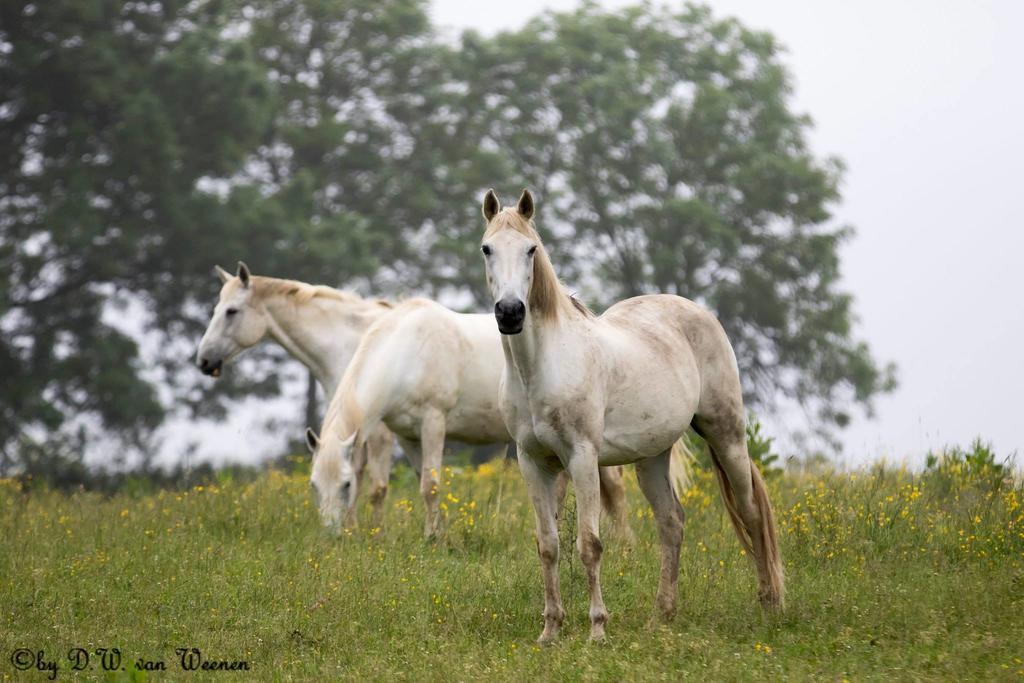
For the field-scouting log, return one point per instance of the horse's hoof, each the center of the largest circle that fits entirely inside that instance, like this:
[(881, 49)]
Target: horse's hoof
[(597, 637), (547, 639)]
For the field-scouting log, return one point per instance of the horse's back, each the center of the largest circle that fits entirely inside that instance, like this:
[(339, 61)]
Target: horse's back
[(407, 352), (653, 320), (426, 355), (664, 356)]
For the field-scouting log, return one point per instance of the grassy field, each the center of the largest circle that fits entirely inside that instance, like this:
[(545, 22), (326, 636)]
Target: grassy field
[(891, 575)]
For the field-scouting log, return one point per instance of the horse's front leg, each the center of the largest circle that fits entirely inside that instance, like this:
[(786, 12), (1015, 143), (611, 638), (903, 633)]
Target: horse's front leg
[(432, 447), (380, 448), (541, 484), (587, 482), (359, 464)]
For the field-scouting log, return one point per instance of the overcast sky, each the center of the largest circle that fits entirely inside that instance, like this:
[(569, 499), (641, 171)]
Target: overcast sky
[(923, 101)]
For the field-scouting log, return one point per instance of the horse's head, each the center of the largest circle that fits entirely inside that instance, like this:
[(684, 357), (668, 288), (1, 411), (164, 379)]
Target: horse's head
[(332, 476), (239, 321), (510, 247)]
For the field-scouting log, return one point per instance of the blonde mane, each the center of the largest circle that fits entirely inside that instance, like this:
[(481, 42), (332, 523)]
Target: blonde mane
[(548, 297), (303, 293)]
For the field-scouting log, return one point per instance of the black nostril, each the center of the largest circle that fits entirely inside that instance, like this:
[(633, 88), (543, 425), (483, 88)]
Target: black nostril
[(208, 367), (510, 310)]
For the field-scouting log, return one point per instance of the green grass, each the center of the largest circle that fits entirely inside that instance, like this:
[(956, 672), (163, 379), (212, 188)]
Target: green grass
[(890, 575)]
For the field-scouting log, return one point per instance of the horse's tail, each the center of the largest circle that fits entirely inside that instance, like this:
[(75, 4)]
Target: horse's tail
[(679, 467), (773, 593)]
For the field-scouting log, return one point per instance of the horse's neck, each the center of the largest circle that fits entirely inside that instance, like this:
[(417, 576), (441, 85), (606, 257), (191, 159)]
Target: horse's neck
[(528, 350), (322, 333)]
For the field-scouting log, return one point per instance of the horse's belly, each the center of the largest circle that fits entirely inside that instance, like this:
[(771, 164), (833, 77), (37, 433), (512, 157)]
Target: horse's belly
[(404, 424), (643, 428), (476, 424)]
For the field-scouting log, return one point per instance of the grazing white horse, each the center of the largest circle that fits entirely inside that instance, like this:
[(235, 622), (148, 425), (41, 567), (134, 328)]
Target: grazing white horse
[(319, 326), (579, 391), (426, 372)]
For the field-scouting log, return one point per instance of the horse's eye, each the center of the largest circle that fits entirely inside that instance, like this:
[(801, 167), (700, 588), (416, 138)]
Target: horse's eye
[(532, 250), (231, 311), (486, 250)]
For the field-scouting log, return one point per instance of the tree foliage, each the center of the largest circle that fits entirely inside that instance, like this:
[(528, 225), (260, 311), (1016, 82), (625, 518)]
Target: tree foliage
[(342, 142), (111, 111), (668, 159)]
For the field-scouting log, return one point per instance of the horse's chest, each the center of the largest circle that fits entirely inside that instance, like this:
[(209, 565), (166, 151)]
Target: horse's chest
[(556, 428), (548, 412)]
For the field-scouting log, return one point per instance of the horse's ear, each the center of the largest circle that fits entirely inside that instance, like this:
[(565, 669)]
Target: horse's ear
[(526, 205), (312, 441), (491, 205), (243, 273), (222, 274)]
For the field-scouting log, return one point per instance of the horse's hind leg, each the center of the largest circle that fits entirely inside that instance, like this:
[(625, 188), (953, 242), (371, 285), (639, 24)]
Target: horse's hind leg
[(613, 500), (586, 481), (432, 431), (745, 497), (542, 486), (655, 482)]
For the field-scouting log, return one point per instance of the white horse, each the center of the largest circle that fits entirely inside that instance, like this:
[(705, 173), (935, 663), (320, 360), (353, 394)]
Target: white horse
[(579, 391), (319, 326), (427, 373)]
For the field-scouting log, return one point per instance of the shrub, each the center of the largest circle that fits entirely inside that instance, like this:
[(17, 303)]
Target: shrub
[(975, 464)]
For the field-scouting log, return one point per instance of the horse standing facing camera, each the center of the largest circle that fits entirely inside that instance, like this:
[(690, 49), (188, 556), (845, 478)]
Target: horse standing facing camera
[(581, 391)]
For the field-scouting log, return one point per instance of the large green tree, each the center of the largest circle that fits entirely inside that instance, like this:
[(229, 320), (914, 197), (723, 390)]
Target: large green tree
[(109, 113), (329, 190), (668, 158)]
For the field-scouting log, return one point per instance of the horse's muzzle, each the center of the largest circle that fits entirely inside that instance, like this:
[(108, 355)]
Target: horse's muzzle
[(510, 314), (211, 368)]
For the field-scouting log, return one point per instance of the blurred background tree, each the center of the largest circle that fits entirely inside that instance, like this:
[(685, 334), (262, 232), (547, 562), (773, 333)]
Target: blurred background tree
[(344, 143), (311, 200), (668, 159), (110, 113)]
